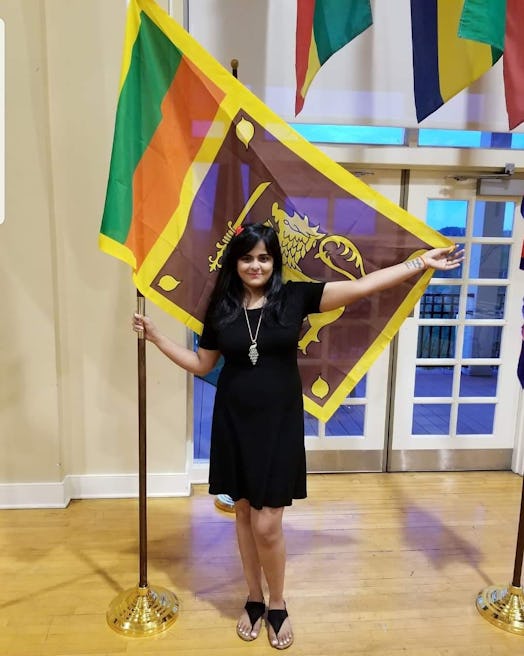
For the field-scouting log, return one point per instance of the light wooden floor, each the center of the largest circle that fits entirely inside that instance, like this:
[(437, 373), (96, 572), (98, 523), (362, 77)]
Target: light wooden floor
[(378, 564)]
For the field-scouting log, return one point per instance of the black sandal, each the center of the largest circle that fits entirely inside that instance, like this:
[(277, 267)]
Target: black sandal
[(255, 610), (276, 617)]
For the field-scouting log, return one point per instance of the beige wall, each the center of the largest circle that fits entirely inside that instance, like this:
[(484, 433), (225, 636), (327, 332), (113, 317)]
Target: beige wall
[(68, 391), (68, 388), (29, 425)]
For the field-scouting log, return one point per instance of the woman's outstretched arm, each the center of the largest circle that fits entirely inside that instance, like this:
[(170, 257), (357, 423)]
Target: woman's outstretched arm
[(344, 292), (199, 363)]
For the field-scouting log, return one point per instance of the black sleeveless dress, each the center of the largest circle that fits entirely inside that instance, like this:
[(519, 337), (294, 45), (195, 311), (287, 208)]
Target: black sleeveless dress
[(257, 436)]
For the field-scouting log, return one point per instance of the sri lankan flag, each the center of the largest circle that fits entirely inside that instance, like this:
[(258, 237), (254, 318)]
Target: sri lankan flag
[(323, 27), (196, 154), (454, 43)]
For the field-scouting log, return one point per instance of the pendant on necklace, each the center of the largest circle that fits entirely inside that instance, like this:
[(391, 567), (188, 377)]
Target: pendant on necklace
[(253, 353)]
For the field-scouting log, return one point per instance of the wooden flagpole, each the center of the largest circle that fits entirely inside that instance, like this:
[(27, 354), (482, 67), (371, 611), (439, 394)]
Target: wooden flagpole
[(503, 606), (142, 447), (143, 610), (224, 501)]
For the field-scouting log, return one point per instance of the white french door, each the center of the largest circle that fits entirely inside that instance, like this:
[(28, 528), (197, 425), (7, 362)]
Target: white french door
[(455, 388)]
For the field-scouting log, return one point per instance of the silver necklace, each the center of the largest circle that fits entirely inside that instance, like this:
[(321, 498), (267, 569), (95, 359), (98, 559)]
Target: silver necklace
[(253, 351)]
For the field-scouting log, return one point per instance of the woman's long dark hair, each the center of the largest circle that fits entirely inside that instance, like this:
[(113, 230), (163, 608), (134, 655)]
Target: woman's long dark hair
[(228, 295)]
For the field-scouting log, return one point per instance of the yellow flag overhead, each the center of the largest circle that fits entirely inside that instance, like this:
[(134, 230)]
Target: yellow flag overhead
[(196, 154)]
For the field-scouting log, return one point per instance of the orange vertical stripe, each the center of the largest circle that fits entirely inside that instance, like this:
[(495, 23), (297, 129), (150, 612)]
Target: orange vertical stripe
[(188, 106)]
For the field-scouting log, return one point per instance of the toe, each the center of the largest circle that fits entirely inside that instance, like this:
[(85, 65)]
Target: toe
[(285, 636), (245, 629)]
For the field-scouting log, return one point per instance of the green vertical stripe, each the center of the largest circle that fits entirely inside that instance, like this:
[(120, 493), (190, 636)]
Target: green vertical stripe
[(154, 62), (336, 22)]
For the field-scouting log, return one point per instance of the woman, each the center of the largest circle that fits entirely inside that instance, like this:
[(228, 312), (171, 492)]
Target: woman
[(257, 444)]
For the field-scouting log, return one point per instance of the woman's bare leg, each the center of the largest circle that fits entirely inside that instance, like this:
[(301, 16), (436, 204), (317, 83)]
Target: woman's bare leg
[(250, 565), (270, 544)]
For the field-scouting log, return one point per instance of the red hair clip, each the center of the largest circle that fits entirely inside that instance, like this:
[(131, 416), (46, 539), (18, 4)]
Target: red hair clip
[(238, 230)]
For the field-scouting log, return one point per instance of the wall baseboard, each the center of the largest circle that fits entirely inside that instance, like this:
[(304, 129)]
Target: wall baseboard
[(93, 486)]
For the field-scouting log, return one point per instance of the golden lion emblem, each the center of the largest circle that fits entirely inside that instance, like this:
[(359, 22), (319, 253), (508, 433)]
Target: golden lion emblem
[(297, 238)]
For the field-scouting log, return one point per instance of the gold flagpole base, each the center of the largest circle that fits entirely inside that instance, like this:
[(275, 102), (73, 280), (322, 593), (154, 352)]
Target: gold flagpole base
[(503, 607), (225, 502), (140, 612)]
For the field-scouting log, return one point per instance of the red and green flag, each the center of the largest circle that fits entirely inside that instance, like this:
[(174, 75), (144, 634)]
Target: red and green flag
[(196, 154), (499, 24), (513, 62), (323, 28)]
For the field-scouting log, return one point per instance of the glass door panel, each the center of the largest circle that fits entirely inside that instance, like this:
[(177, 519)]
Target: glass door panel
[(455, 391)]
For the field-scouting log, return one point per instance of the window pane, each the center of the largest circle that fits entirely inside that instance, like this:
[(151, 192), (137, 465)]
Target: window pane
[(433, 381), (489, 261), (436, 342), (440, 302), (447, 216), (486, 302), (431, 419), (310, 425), (475, 418), (482, 341), (348, 134), (453, 138), (359, 391), (517, 141), (203, 400), (347, 420), (493, 219), (479, 380), (469, 139)]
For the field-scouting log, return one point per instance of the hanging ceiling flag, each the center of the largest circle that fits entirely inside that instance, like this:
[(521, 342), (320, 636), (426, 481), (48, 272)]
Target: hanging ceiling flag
[(323, 28), (513, 62), (444, 63), (196, 154), (484, 21)]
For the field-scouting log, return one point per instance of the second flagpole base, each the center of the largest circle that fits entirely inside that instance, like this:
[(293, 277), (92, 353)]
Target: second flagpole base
[(143, 611), (225, 502), (503, 607)]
